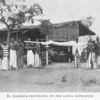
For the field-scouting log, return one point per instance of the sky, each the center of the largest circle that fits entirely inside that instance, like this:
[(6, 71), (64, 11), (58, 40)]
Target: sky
[(68, 10)]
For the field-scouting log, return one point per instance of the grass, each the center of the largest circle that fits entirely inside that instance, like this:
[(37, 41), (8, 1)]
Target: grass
[(89, 81)]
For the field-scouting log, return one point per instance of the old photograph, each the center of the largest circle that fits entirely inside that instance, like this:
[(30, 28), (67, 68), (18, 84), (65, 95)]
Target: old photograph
[(49, 46)]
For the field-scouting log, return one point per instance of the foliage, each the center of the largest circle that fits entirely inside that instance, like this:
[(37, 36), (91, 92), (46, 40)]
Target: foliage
[(88, 21), (45, 27), (15, 14)]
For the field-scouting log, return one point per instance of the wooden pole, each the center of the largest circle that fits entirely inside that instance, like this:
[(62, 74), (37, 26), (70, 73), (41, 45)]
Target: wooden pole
[(47, 58)]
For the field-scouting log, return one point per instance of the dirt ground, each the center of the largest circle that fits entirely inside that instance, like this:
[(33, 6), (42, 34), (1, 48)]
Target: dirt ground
[(59, 77)]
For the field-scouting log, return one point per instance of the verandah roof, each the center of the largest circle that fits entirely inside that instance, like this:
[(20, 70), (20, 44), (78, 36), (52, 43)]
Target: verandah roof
[(59, 32)]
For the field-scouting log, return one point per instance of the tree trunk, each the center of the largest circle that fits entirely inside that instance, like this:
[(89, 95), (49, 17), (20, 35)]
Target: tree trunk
[(8, 37), (8, 43)]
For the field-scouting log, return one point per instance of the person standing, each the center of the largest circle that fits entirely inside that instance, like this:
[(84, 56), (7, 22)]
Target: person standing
[(77, 53), (37, 54), (30, 54), (5, 57), (97, 52), (43, 55), (20, 52), (91, 51), (13, 55), (1, 56)]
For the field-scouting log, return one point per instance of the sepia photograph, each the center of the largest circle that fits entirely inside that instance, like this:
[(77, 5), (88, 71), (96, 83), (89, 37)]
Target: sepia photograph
[(49, 46)]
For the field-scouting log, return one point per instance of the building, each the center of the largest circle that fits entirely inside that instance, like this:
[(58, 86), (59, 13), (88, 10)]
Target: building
[(68, 31), (59, 32)]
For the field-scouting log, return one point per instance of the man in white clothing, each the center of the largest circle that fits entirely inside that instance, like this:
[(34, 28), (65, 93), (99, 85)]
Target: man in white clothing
[(13, 56), (77, 53)]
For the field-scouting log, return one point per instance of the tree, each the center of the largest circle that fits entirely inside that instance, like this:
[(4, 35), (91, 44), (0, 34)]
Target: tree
[(2, 1), (45, 27), (87, 21), (13, 15)]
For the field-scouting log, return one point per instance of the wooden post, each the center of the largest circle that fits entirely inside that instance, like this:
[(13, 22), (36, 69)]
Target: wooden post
[(47, 58)]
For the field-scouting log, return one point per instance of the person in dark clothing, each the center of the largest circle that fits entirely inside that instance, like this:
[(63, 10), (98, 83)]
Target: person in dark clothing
[(1, 52), (43, 55), (97, 52), (91, 52), (20, 52), (1, 56)]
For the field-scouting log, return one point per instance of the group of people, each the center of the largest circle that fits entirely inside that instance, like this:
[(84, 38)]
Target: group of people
[(13, 56), (92, 49), (35, 54)]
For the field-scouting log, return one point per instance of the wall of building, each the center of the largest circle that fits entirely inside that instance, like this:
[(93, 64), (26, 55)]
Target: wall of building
[(65, 32)]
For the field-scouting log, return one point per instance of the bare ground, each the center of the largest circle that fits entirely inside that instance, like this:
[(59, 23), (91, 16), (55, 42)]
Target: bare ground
[(62, 77)]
